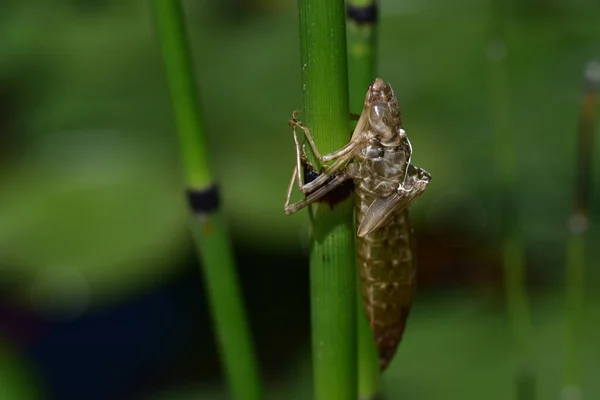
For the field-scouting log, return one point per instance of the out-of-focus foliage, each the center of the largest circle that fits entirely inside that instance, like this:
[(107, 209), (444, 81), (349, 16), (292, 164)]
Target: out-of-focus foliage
[(89, 219), (90, 202), (17, 380), (90, 199), (457, 350)]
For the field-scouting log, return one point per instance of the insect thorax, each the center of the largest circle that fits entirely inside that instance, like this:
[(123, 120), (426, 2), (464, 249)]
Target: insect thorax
[(379, 170)]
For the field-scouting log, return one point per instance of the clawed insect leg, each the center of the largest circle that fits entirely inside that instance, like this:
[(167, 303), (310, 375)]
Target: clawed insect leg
[(288, 195), (312, 197), (298, 168), (408, 164), (347, 149), (297, 124), (327, 157), (341, 156), (327, 173)]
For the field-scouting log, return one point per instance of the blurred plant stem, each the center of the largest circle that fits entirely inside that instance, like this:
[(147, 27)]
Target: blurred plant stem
[(207, 222), (362, 16), (512, 241), (362, 49), (368, 362), (578, 228), (332, 254)]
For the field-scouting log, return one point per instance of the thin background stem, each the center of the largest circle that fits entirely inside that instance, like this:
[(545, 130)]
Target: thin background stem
[(207, 223), (512, 241), (332, 254), (362, 17), (578, 227)]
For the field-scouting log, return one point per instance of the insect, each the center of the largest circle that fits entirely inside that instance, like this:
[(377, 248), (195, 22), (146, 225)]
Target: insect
[(378, 160)]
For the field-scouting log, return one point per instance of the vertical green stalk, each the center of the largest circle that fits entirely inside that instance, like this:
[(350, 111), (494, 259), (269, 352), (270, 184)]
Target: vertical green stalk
[(207, 224), (578, 227), (332, 253), (362, 16), (368, 363), (575, 259), (512, 241)]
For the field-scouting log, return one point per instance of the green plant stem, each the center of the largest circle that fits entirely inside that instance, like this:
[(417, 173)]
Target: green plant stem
[(362, 59), (368, 363), (207, 224), (362, 51), (332, 253), (186, 108), (512, 241), (519, 314), (227, 309), (574, 304), (578, 227)]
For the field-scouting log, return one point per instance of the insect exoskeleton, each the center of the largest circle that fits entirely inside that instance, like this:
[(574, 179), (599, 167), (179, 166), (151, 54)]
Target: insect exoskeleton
[(378, 160)]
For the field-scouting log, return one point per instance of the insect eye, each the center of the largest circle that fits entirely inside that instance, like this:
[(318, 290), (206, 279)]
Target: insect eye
[(381, 120), (381, 114)]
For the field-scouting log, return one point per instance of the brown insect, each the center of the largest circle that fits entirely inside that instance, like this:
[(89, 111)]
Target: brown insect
[(378, 160)]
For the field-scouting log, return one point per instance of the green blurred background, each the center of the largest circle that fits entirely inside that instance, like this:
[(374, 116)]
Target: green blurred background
[(101, 294)]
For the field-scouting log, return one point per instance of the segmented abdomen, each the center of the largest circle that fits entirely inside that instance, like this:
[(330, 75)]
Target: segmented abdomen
[(386, 264)]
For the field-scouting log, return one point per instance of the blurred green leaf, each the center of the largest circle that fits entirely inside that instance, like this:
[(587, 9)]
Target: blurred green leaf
[(17, 380), (456, 347), (88, 214)]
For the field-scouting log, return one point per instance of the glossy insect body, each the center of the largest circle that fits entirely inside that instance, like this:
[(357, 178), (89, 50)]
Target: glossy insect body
[(377, 159), (385, 255), (385, 259)]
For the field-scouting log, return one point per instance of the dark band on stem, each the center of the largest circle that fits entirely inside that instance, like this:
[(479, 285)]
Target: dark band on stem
[(362, 14), (204, 201)]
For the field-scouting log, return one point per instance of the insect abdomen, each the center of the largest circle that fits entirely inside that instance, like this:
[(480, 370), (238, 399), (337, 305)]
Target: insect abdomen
[(387, 273)]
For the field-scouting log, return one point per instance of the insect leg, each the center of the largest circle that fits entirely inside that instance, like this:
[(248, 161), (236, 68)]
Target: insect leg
[(356, 139), (288, 195), (360, 135), (314, 196), (298, 159), (408, 160), (297, 124), (327, 173), (343, 155)]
